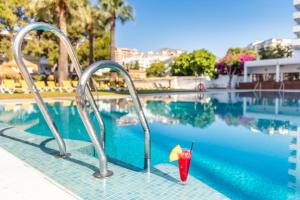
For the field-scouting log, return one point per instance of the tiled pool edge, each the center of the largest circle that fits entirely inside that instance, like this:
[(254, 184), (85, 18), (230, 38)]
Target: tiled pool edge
[(64, 171)]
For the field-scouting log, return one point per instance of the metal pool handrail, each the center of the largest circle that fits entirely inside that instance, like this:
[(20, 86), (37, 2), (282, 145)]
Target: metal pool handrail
[(81, 106), (17, 49)]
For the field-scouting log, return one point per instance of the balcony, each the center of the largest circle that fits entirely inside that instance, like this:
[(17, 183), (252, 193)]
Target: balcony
[(297, 4), (296, 44), (296, 17), (296, 30), (292, 159)]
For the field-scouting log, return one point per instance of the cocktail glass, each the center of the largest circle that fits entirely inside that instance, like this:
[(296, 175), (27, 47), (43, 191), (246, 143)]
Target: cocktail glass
[(184, 164)]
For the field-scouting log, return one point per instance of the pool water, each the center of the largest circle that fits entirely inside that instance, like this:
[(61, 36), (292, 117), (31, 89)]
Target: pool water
[(246, 144)]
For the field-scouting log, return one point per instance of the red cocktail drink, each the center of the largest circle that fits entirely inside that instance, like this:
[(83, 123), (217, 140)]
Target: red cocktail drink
[(184, 164)]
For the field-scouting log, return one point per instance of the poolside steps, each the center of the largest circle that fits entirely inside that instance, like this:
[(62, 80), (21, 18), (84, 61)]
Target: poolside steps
[(75, 173)]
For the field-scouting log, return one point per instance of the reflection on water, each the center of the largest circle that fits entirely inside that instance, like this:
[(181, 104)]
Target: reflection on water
[(19, 115), (247, 143)]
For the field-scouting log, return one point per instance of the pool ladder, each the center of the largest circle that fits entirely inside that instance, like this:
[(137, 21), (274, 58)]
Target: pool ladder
[(83, 92), (82, 108)]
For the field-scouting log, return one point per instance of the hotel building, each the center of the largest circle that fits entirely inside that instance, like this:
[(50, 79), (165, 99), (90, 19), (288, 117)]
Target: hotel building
[(125, 56), (283, 73)]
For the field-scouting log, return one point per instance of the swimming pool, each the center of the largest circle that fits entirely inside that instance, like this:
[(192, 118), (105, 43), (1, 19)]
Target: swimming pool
[(246, 143)]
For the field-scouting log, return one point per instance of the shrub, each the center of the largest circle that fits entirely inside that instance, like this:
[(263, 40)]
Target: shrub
[(156, 69), (199, 62)]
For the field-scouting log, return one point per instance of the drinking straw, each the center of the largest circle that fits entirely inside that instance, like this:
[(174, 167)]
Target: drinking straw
[(191, 149)]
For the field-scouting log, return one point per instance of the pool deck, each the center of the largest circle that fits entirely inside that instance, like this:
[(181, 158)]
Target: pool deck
[(18, 180), (75, 173)]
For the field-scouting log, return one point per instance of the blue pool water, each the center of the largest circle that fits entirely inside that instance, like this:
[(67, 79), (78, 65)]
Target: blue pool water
[(246, 143)]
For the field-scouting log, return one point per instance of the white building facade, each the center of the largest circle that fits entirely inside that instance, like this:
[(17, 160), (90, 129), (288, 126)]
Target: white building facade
[(271, 43), (145, 59), (277, 70)]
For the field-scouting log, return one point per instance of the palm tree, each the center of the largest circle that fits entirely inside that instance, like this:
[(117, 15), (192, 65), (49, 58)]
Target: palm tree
[(96, 22), (116, 10), (57, 12)]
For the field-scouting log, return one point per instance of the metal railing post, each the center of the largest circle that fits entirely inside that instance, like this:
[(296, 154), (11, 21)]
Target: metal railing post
[(17, 49), (87, 122)]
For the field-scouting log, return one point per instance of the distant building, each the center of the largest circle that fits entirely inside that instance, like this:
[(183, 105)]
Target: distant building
[(296, 29), (122, 53), (271, 43), (170, 52), (129, 57), (282, 73)]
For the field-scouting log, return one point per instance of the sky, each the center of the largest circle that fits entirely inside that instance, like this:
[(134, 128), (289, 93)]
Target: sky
[(215, 25)]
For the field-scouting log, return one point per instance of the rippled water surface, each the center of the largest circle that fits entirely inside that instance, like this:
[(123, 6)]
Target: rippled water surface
[(246, 143)]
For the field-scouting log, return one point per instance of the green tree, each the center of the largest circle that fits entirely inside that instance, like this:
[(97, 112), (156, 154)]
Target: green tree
[(203, 62), (42, 46), (5, 48), (136, 65), (101, 50), (156, 69), (12, 15), (275, 52), (96, 22), (182, 65), (116, 10), (75, 32), (60, 12), (199, 62)]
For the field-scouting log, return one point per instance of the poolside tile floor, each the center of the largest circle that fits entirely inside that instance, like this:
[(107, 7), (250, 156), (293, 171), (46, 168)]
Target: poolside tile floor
[(14, 176), (75, 172)]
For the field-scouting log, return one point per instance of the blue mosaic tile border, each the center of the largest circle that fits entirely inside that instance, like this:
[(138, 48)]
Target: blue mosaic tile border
[(75, 173)]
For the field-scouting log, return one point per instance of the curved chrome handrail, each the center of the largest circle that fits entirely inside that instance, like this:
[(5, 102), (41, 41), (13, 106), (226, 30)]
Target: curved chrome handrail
[(17, 49), (81, 106)]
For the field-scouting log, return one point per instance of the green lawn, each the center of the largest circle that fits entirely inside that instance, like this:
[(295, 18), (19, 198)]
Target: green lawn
[(59, 94), (46, 95)]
